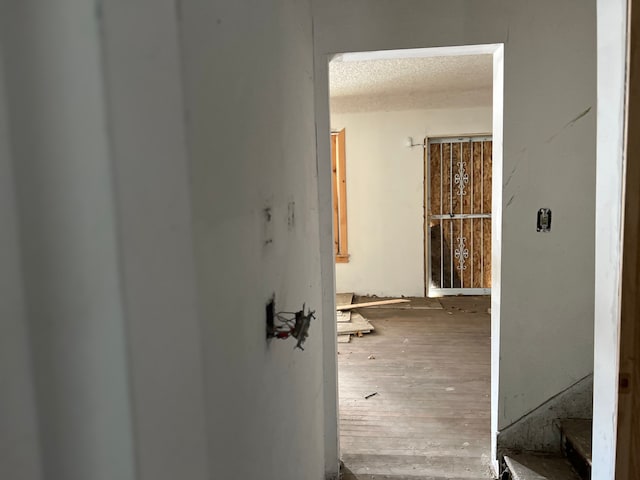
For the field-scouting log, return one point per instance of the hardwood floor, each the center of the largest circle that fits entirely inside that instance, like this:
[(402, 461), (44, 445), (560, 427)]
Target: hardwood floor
[(430, 371)]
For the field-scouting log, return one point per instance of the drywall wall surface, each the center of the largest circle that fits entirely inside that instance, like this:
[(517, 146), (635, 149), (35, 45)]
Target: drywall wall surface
[(538, 431), (612, 76), (19, 451), (546, 333), (146, 124), (385, 194), (68, 243), (251, 139)]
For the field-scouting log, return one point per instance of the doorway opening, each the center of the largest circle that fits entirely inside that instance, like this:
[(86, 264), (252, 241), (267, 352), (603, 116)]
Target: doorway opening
[(426, 355)]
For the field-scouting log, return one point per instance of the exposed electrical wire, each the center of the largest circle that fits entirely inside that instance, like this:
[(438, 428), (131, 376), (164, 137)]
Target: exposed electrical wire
[(291, 324)]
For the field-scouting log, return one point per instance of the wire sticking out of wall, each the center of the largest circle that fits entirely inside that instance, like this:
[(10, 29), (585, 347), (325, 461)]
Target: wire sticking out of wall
[(283, 325)]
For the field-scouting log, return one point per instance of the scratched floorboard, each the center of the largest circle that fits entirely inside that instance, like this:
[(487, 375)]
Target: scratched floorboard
[(431, 372)]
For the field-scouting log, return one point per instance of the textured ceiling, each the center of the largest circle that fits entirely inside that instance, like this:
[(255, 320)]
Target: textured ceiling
[(411, 83)]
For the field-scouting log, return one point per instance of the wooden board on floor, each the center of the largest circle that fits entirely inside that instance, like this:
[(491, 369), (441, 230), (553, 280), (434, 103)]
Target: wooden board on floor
[(372, 304), (415, 303)]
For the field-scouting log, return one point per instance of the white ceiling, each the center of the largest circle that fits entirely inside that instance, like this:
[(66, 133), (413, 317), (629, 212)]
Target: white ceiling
[(411, 83)]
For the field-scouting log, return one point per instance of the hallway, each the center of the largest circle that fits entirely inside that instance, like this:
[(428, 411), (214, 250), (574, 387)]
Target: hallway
[(430, 415)]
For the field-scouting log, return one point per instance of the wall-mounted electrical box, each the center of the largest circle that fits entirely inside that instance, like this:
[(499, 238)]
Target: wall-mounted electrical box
[(544, 220), (283, 325)]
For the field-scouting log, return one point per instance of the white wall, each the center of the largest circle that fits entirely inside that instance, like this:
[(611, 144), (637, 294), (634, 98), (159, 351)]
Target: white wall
[(385, 194), (251, 137), (19, 451), (546, 334), (251, 143), (135, 376), (143, 80), (70, 259), (101, 170), (612, 76)]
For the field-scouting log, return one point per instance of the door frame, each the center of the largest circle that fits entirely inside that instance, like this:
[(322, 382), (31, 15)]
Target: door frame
[(426, 169), (323, 129), (628, 421), (616, 161)]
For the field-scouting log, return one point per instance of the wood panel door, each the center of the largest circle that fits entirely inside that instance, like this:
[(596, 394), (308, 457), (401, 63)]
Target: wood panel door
[(458, 215)]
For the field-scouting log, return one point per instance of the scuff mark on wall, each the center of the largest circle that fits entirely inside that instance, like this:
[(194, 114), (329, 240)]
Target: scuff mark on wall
[(291, 214), (268, 228), (515, 167), (510, 176), (511, 200), (579, 117), (570, 124)]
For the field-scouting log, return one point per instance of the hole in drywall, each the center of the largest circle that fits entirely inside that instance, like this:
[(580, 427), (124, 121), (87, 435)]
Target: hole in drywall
[(270, 311), (283, 325)]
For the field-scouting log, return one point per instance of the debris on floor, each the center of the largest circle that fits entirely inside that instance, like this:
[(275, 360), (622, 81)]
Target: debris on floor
[(371, 357), (350, 322), (413, 303), (357, 324), (367, 397), (344, 298), (378, 303)]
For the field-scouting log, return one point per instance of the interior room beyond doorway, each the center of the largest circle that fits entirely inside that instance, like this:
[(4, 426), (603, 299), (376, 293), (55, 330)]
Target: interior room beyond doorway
[(421, 405)]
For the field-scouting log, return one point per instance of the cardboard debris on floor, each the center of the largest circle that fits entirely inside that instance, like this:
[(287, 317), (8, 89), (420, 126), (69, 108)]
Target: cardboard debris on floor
[(344, 298), (357, 324), (349, 322)]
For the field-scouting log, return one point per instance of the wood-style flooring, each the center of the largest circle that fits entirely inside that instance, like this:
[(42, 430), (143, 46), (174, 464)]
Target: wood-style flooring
[(430, 371)]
